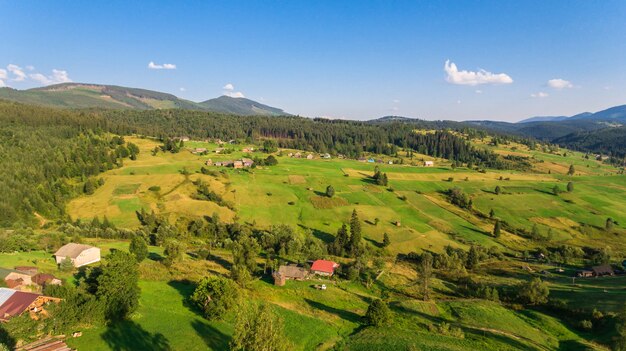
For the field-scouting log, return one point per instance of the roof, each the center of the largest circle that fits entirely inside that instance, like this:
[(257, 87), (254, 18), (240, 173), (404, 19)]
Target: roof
[(72, 250), (324, 266), (293, 272), (604, 269), (5, 294), (42, 278), (47, 344), (17, 303)]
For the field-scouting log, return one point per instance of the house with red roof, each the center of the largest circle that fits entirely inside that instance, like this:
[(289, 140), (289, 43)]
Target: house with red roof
[(323, 267)]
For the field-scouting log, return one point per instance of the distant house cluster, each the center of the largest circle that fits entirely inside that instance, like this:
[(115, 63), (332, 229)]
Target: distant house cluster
[(26, 278), (79, 254), (295, 272), (300, 155), (242, 163), (596, 271), (14, 303), (199, 150), (373, 160)]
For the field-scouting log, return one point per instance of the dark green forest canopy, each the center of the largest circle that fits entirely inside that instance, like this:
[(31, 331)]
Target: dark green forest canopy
[(47, 155)]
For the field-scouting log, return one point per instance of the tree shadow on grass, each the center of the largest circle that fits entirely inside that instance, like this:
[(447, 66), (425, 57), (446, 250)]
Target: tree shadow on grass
[(347, 315), (374, 242), (475, 230), (155, 257), (321, 235), (130, 336), (213, 338), (185, 288), (219, 260)]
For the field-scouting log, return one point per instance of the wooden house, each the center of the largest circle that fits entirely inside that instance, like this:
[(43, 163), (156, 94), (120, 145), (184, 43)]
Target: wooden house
[(323, 267)]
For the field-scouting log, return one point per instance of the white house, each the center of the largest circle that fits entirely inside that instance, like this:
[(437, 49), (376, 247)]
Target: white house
[(79, 254), (429, 163)]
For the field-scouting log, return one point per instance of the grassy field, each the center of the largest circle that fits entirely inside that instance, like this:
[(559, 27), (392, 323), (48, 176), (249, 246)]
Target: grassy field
[(412, 209)]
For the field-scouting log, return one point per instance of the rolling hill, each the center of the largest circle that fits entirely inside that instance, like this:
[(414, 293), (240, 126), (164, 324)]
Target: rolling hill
[(81, 95), (240, 106)]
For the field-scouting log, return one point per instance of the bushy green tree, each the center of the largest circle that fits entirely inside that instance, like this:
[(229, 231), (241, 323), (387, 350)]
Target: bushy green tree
[(570, 187), (534, 292), (138, 247), (118, 285), (330, 191), (66, 265), (377, 314), (174, 251), (215, 296), (571, 170), (258, 328)]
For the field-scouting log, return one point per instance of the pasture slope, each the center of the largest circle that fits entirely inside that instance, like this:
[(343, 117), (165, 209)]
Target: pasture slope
[(412, 209)]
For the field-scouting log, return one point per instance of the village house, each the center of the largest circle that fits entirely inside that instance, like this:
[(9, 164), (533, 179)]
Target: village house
[(289, 272), (362, 159), (309, 156), (248, 150), (429, 163), (247, 162), (600, 271), (183, 138), (326, 156), (237, 164), (43, 279), (323, 267), (370, 160), (208, 162), (290, 154), (30, 270), (79, 254), (14, 303), (297, 155), (198, 150), (15, 279), (584, 273), (218, 150)]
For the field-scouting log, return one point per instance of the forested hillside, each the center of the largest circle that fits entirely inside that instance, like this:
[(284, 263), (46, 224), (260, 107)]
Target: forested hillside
[(46, 158)]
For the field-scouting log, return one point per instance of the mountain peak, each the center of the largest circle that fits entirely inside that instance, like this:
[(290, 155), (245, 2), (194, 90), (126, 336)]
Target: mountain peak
[(88, 95)]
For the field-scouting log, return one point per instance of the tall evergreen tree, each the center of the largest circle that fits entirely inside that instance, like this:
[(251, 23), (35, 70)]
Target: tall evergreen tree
[(497, 229), (355, 233)]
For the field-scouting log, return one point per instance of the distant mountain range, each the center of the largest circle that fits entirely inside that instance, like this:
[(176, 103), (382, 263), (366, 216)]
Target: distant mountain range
[(80, 95)]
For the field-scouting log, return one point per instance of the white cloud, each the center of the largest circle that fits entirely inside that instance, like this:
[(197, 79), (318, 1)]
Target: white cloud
[(540, 95), (153, 65), (30, 68), (458, 101), (455, 76), (229, 90), (395, 101), (182, 89), (559, 83), (3, 76), (17, 71), (57, 76), (478, 91)]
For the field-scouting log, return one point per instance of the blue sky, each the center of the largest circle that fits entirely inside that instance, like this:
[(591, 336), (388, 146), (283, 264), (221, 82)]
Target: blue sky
[(347, 59)]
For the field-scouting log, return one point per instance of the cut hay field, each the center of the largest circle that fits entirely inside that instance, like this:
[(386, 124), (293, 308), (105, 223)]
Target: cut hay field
[(413, 209)]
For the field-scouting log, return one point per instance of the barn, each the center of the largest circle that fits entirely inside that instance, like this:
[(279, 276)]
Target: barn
[(79, 254)]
